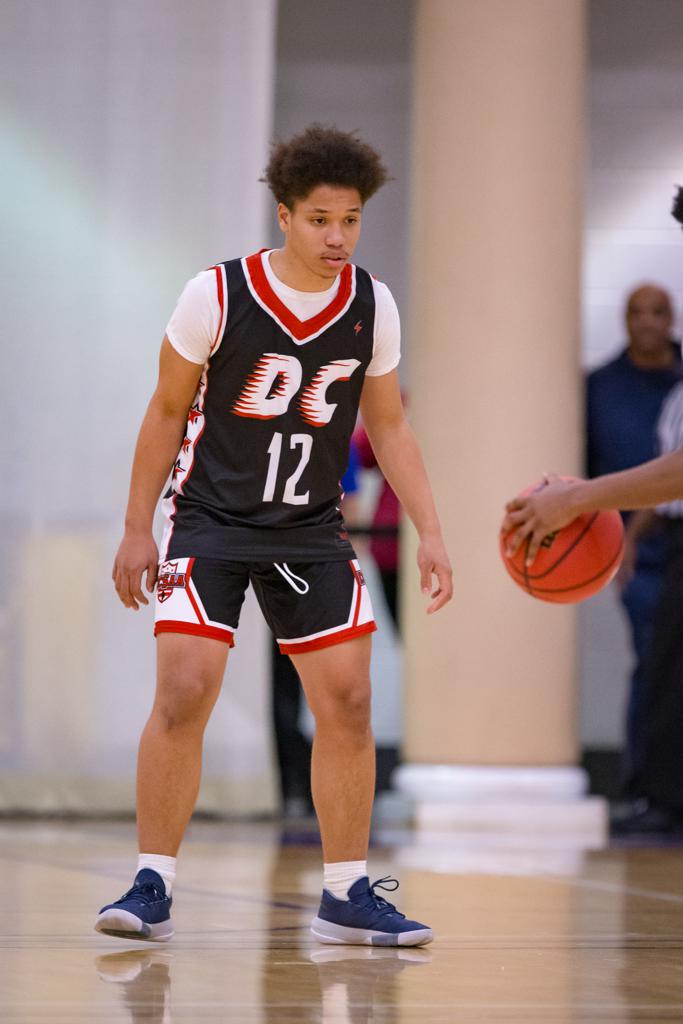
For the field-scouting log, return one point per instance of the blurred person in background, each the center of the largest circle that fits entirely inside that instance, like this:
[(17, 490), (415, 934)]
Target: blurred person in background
[(659, 776), (531, 518), (384, 540), (623, 402), (658, 779)]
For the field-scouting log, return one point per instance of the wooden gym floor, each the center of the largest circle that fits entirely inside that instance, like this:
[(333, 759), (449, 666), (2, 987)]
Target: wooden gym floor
[(523, 933)]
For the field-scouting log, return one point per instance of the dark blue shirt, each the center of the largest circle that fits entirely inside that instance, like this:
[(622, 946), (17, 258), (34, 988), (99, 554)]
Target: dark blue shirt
[(622, 408), (349, 481)]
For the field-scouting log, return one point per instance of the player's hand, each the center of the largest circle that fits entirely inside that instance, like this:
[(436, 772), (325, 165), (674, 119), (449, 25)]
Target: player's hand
[(536, 515), (137, 554), (432, 560)]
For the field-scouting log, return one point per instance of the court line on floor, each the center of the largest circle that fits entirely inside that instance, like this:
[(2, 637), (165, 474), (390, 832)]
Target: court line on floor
[(189, 890), (616, 889), (597, 886)]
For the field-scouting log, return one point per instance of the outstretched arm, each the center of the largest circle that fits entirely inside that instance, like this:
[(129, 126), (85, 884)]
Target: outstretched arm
[(560, 501), (157, 448), (399, 459)]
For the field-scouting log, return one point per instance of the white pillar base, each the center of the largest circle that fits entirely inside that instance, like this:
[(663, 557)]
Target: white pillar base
[(500, 799)]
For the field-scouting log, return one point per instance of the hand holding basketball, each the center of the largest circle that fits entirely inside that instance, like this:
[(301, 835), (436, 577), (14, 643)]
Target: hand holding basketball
[(537, 512), (552, 553)]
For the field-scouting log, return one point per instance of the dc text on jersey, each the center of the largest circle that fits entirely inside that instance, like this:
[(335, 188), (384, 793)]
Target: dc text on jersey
[(267, 437)]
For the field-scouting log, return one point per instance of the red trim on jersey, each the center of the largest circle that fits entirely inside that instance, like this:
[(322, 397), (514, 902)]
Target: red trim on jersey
[(328, 640), (191, 629), (221, 303), (301, 329)]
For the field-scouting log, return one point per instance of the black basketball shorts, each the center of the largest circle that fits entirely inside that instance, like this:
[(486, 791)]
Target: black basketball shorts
[(307, 605)]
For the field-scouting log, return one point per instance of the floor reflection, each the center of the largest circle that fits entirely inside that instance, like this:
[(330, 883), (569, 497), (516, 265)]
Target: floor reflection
[(144, 978), (326, 984), (333, 984), (356, 981)]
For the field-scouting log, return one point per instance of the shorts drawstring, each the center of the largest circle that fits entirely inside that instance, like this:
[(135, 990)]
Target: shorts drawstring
[(293, 580)]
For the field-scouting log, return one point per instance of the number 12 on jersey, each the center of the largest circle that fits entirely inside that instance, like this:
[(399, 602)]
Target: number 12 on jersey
[(290, 497)]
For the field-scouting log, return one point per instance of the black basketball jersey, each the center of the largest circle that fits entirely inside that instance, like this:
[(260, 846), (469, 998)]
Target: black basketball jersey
[(267, 441)]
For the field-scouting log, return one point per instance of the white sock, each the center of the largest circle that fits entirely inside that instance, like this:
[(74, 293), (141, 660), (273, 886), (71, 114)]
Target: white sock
[(164, 866), (340, 876)]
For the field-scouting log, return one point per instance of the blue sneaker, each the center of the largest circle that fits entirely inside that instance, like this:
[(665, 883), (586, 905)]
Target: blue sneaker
[(365, 919), (144, 912)]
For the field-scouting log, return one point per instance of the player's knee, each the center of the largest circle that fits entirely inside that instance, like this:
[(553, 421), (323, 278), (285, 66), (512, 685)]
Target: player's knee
[(184, 700), (349, 706)]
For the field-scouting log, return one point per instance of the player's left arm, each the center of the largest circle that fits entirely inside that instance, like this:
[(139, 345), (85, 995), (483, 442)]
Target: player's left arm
[(399, 459)]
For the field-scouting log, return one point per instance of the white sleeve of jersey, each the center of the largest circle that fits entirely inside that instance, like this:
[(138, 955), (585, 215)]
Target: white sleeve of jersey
[(386, 351), (196, 318)]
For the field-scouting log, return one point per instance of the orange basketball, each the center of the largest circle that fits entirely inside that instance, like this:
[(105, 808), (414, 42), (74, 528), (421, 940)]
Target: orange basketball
[(573, 563)]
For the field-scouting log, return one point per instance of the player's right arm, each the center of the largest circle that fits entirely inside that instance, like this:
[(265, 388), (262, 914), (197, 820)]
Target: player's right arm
[(559, 502), (157, 448)]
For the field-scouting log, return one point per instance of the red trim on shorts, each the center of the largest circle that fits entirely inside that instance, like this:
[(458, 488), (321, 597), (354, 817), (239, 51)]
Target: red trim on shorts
[(190, 595), (327, 641), (360, 594), (171, 626)]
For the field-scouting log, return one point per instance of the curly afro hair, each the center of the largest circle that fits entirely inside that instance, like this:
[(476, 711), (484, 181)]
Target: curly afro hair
[(323, 156), (677, 208)]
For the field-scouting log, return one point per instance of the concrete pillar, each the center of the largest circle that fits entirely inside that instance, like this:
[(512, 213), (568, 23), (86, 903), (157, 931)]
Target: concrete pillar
[(490, 704)]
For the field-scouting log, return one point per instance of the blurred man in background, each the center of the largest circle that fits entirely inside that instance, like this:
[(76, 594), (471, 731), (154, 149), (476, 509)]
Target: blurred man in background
[(623, 402)]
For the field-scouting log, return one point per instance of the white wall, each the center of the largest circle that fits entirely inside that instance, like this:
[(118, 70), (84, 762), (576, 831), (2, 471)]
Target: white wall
[(636, 159), (133, 137), (351, 66)]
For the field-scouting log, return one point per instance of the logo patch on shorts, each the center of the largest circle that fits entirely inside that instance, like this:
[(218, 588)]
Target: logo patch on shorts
[(360, 577), (169, 578)]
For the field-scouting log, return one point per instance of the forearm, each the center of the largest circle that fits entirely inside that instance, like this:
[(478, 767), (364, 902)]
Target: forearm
[(155, 452), (645, 486), (400, 461)]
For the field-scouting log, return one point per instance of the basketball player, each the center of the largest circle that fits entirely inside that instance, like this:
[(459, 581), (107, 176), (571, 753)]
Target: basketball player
[(263, 367), (559, 502)]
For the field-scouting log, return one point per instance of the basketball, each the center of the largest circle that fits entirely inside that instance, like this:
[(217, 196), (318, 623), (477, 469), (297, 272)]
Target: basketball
[(573, 563)]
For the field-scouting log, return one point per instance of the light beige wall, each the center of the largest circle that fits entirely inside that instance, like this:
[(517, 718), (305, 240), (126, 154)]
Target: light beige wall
[(498, 128)]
